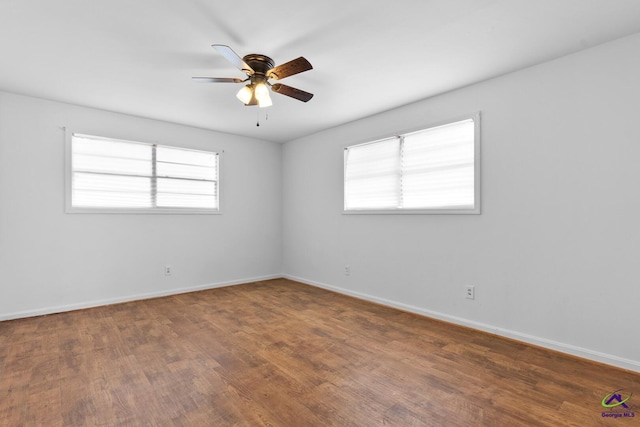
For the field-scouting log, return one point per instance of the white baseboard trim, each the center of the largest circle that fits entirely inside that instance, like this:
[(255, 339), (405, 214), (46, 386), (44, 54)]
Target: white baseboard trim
[(128, 298), (608, 359)]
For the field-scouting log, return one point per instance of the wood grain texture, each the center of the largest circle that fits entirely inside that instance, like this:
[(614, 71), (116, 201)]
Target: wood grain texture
[(280, 353)]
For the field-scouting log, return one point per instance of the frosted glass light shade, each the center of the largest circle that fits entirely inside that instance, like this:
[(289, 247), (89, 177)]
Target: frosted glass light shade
[(262, 95), (245, 94)]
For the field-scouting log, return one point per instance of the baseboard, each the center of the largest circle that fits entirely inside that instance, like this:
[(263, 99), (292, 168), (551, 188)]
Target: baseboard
[(583, 353), (128, 298)]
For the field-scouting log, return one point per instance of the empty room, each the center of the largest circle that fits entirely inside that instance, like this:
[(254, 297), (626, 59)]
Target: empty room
[(342, 213)]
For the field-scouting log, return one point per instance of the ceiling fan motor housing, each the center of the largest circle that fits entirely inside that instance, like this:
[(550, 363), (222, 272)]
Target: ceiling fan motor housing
[(261, 64)]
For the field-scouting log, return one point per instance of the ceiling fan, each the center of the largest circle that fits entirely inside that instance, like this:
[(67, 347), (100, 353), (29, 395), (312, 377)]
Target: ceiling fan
[(260, 69)]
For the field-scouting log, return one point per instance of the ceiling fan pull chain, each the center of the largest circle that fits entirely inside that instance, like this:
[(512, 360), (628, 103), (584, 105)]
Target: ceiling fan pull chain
[(258, 118)]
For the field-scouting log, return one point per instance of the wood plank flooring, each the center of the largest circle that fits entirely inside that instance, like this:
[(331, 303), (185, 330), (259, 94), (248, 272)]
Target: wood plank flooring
[(280, 353)]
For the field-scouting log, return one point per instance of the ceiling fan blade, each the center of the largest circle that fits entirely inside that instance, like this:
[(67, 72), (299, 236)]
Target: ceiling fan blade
[(289, 68), (292, 92), (233, 57), (217, 79)]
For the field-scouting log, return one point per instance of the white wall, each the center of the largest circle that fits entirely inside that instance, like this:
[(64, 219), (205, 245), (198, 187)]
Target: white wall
[(51, 261), (555, 253)]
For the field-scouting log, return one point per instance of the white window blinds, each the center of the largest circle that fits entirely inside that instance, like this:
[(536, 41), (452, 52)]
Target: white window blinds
[(434, 169), (186, 178), (116, 174), (438, 167), (372, 176)]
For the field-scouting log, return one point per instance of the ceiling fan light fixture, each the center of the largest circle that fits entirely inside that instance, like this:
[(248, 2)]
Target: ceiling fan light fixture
[(245, 94), (262, 95), (259, 69)]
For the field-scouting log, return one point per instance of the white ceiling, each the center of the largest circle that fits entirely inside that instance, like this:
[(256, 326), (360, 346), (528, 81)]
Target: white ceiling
[(138, 56)]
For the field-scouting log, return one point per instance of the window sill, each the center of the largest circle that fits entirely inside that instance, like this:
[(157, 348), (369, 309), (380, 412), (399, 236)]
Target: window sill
[(412, 212), (144, 211)]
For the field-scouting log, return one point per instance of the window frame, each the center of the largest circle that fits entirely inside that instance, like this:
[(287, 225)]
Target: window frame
[(423, 211), (68, 177)]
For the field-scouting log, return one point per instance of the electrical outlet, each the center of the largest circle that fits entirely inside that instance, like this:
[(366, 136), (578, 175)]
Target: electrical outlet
[(470, 292), (347, 270), (167, 270)]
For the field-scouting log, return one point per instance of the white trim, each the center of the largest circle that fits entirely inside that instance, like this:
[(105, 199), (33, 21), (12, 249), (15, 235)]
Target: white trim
[(476, 210), (144, 211), (136, 297), (69, 209), (475, 115), (608, 359), (434, 211)]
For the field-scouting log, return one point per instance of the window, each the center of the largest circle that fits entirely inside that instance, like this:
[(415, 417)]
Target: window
[(433, 170), (107, 175)]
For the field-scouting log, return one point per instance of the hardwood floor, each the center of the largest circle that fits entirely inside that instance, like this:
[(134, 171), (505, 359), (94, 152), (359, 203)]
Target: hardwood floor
[(281, 353)]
